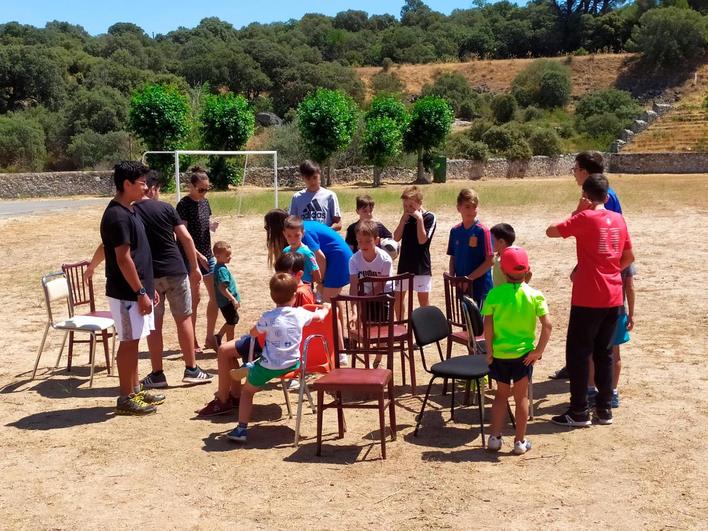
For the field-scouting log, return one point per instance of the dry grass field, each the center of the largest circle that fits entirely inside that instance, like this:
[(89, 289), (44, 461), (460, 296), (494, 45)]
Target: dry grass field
[(69, 463)]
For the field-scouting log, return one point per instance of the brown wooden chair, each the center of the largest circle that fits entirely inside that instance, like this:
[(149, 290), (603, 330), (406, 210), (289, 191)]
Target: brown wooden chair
[(81, 299), (455, 289), (369, 320), (402, 329)]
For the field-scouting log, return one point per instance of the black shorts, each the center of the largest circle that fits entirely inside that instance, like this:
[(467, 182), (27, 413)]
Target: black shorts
[(506, 371), (230, 314)]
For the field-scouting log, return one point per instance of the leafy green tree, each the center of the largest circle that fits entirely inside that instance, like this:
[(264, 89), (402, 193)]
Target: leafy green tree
[(461, 146), (102, 110), (351, 20), (606, 102), (93, 150), (227, 122), (430, 123), (504, 108), (327, 120), (21, 144), (31, 75), (384, 126), (545, 142), (451, 86), (544, 82)]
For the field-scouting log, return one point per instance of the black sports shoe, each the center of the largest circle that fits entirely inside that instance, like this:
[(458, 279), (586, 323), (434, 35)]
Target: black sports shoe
[(154, 380), (573, 420), (560, 374), (603, 416)]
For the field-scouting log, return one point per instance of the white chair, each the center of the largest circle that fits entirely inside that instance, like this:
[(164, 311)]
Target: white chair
[(56, 289)]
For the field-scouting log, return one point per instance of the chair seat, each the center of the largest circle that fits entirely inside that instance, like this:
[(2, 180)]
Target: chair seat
[(352, 377), (381, 332), (85, 323), (461, 367), (105, 314), (460, 336)]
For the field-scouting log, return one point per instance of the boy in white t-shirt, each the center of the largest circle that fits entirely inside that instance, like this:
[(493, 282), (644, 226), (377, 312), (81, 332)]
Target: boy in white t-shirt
[(316, 203), (283, 329)]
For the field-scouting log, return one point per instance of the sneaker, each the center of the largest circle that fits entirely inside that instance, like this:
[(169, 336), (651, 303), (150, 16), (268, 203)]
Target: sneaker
[(603, 416), (153, 399), (216, 407), (294, 384), (615, 401), (521, 447), (196, 376), (494, 443), (154, 380), (238, 434), (573, 420), (133, 405), (592, 397), (560, 374)]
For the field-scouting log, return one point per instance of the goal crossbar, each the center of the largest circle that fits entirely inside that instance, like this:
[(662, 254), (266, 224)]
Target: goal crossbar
[(179, 152)]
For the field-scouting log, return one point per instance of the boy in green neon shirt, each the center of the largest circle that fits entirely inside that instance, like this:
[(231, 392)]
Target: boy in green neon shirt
[(510, 312)]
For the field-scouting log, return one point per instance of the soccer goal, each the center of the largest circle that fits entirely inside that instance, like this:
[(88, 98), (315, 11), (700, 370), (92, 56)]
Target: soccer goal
[(179, 152)]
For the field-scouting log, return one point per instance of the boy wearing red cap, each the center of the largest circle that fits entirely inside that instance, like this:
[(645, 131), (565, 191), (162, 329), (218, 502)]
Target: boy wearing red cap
[(510, 312)]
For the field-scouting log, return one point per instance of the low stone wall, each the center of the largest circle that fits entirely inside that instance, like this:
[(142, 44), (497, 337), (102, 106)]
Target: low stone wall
[(659, 163), (55, 184)]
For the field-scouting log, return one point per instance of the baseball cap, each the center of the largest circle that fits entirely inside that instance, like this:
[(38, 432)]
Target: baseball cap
[(514, 261)]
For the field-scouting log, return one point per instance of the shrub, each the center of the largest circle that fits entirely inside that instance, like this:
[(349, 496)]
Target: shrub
[(21, 144), (545, 142), (554, 90), (580, 52), (386, 83), (531, 113), (503, 108), (460, 146), (386, 64), (605, 112), (451, 86), (160, 116), (601, 125), (566, 130), (478, 128), (519, 150), (471, 108), (529, 84), (498, 138), (92, 150)]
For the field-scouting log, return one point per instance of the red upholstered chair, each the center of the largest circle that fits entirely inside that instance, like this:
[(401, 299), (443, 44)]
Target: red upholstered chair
[(369, 319)]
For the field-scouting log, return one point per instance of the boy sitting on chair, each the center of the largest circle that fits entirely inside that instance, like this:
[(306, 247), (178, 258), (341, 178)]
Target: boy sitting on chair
[(510, 311), (283, 329)]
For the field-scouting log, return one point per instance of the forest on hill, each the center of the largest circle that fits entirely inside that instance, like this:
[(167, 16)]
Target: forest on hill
[(65, 95)]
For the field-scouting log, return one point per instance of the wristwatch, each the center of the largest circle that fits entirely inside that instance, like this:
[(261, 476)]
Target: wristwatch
[(141, 291)]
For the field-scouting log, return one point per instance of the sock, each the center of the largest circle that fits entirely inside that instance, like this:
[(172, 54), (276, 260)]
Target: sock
[(158, 372), (614, 391), (136, 389), (190, 368)]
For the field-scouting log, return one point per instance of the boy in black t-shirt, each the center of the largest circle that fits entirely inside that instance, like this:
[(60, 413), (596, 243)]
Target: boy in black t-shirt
[(365, 211), (129, 283)]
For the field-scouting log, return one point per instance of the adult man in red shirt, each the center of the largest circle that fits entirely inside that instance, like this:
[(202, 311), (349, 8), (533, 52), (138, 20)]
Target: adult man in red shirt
[(604, 249)]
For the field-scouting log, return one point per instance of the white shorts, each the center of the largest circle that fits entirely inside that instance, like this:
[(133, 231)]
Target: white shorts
[(421, 284), (130, 324)]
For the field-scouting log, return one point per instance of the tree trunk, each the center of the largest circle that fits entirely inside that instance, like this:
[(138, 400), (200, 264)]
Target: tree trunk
[(421, 177), (328, 179), (377, 176)]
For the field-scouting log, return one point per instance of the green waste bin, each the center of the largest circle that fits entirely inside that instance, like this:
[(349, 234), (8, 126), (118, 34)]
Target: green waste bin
[(439, 169)]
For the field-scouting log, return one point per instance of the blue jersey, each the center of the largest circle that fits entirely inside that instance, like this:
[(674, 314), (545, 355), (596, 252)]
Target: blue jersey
[(613, 202), (320, 237), (470, 248)]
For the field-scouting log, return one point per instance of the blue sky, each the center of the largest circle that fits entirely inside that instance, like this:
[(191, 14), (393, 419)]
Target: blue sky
[(161, 16)]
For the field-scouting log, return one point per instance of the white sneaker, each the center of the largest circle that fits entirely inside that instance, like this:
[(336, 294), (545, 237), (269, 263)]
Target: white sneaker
[(521, 447), (294, 384), (494, 443), (343, 360)]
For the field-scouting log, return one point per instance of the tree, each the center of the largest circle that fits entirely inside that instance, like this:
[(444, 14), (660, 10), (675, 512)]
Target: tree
[(431, 121), (21, 144), (544, 82), (384, 126), (545, 142), (90, 149), (451, 86), (227, 122), (503, 108), (101, 110), (31, 75), (327, 120), (386, 83), (351, 20)]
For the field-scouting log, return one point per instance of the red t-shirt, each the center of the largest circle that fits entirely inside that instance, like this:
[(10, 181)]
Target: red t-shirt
[(601, 237)]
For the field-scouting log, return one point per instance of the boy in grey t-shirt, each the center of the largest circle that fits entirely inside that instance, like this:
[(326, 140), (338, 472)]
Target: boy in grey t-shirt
[(315, 203)]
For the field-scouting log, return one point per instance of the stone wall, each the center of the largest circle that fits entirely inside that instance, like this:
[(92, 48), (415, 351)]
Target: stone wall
[(659, 163), (54, 184)]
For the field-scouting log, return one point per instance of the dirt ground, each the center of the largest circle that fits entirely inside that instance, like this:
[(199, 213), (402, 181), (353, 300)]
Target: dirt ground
[(69, 463)]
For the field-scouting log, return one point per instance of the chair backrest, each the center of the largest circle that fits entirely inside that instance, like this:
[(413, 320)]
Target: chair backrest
[(429, 325), (455, 289), (402, 283), (55, 289), (320, 354), (80, 291), (474, 322), (367, 319)]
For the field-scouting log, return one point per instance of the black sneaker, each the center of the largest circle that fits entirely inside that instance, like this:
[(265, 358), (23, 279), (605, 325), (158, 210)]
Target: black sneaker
[(560, 374), (196, 376), (603, 416), (573, 420), (154, 380)]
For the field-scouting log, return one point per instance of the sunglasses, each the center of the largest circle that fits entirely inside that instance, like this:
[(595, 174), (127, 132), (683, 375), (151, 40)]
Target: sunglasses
[(203, 190)]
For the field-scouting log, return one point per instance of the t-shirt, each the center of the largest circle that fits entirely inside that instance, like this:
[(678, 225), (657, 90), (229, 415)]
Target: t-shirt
[(319, 237), (514, 309), (414, 257), (310, 261), (122, 226), (160, 219), (351, 234), (304, 295), (320, 206), (613, 202), (197, 214), (380, 266), (470, 247), (222, 275), (283, 329), (601, 237)]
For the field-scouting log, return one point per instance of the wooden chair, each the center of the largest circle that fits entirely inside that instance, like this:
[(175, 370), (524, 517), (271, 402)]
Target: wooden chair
[(81, 299), (368, 326), (455, 289), (402, 329)]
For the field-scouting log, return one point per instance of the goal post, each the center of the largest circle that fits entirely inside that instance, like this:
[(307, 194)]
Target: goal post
[(179, 152)]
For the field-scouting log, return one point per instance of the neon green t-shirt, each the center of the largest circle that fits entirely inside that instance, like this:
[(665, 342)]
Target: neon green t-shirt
[(514, 309)]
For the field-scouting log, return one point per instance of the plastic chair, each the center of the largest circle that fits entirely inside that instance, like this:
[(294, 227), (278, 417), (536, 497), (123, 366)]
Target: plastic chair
[(56, 289), (81, 295), (402, 330), (366, 333)]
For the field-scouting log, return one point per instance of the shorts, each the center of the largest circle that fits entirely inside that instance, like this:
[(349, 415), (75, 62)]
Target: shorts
[(130, 324), (230, 314), (421, 284), (337, 272), (621, 334), (176, 289), (506, 371), (212, 266), (258, 375), (243, 345)]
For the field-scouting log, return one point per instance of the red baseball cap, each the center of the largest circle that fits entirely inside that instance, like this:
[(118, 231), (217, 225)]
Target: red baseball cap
[(514, 261)]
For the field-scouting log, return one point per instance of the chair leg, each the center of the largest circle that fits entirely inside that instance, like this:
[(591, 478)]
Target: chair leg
[(382, 424), (309, 398), (449, 354), (41, 348), (425, 401), (411, 364), (61, 349), (530, 399), (320, 410), (481, 411), (340, 415), (287, 399), (92, 355), (403, 366), (392, 410), (468, 387), (300, 399), (104, 340), (71, 351), (452, 399)]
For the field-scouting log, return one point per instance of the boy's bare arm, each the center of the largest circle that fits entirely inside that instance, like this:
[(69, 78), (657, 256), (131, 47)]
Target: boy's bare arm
[(99, 255), (253, 332), (537, 353), (184, 238), (629, 292), (353, 284), (420, 227), (398, 232), (482, 269), (451, 266), (224, 290), (489, 337), (552, 231), (130, 273), (336, 223), (627, 258), (321, 314)]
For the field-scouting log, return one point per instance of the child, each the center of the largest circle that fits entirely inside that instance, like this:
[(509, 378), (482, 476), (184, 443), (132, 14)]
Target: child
[(369, 260), (470, 247), (315, 203), (365, 210), (294, 231), (283, 329), (503, 236), (227, 296), (415, 231), (510, 313)]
